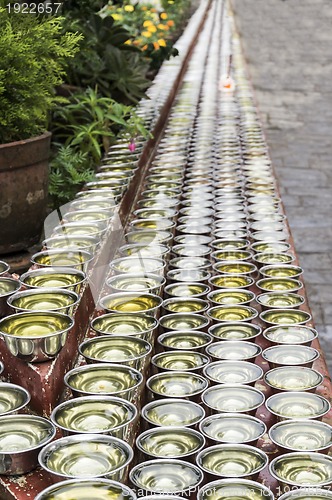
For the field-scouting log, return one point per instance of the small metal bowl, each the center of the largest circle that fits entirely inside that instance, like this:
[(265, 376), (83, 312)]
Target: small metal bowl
[(232, 428), (86, 456), (138, 325), (136, 265), (54, 277), (232, 282), (190, 290), (285, 317), (290, 355), (13, 398), (172, 412), (21, 439), (104, 378), (281, 271), (239, 350), (81, 489), (235, 268), (170, 442), (190, 263), (287, 285), (185, 340), (162, 497), (78, 259), (155, 250), (235, 331), (151, 283), (302, 469), (149, 237), (8, 286), (166, 476), (232, 255), (183, 321), (44, 299), (4, 267), (127, 350), (176, 384), (188, 275), (279, 300), (235, 313), (232, 461), (97, 229), (231, 296), (186, 250), (301, 435), (96, 414), (270, 247), (93, 204), (302, 494), (233, 372), (152, 224), (265, 258), (35, 336), (294, 334), (229, 245), (191, 361), (297, 405), (226, 398), (79, 242), (235, 488), (131, 302), (293, 378), (180, 305)]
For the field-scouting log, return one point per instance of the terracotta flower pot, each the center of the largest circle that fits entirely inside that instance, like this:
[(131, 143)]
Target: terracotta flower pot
[(23, 191)]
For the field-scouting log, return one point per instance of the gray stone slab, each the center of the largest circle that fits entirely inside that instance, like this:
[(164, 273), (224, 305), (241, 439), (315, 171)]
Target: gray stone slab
[(288, 45)]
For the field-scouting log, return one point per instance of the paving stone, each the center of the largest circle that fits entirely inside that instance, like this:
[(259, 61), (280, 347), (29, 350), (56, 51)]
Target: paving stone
[(287, 45)]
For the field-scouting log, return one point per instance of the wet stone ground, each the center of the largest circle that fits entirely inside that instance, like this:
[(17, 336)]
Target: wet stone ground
[(287, 44)]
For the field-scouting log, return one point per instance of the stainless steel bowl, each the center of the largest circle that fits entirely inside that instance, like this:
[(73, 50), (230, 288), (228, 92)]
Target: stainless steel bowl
[(13, 398), (82, 489), (21, 439), (35, 336), (86, 456), (96, 414)]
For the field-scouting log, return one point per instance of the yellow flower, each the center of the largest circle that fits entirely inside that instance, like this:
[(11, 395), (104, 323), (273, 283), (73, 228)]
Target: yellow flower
[(162, 27), (163, 15), (129, 8), (152, 29), (128, 42), (147, 23), (147, 34), (144, 7), (117, 17), (162, 42)]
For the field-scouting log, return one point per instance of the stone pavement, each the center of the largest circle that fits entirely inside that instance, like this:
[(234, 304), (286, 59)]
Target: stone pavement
[(287, 44)]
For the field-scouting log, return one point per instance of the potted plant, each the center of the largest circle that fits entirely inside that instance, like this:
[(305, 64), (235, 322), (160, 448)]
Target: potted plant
[(34, 52)]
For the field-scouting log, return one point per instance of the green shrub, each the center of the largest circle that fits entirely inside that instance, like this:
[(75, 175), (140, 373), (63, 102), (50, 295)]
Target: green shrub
[(106, 61), (33, 57), (69, 170), (91, 122)]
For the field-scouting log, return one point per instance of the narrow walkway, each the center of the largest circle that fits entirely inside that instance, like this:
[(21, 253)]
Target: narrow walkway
[(287, 44)]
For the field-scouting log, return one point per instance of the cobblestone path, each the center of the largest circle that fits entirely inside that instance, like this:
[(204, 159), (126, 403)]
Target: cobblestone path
[(287, 44)]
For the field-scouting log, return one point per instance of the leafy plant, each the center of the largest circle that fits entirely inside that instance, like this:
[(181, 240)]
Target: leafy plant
[(34, 54), (107, 61), (69, 170), (90, 122)]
